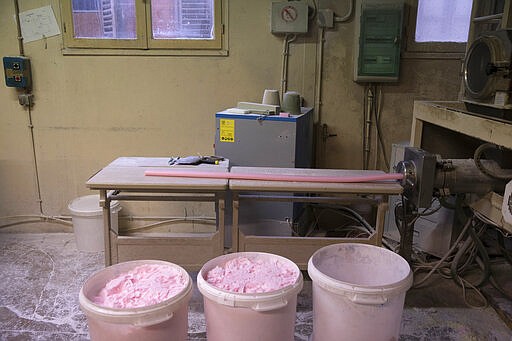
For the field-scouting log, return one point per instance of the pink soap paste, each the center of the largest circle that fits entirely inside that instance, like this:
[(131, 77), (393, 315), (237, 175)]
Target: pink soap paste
[(252, 275), (142, 286)]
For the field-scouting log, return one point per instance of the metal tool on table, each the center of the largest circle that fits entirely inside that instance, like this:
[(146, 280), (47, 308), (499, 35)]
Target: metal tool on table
[(195, 160)]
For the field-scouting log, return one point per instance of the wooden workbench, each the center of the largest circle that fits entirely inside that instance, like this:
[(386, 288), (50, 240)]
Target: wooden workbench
[(124, 179), (300, 249), (454, 116)]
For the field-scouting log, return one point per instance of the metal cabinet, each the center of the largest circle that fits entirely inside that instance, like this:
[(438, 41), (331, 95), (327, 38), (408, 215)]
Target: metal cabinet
[(265, 141)]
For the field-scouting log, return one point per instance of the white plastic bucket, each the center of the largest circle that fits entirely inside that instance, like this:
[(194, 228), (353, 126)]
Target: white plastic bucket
[(358, 292), (87, 217), (250, 317), (167, 320)]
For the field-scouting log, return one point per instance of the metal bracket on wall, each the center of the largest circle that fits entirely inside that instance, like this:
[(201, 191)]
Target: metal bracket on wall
[(325, 133)]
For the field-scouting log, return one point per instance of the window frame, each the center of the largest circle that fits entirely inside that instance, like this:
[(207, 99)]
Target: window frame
[(145, 44), (438, 50)]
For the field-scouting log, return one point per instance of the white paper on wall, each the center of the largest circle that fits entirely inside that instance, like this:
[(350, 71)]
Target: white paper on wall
[(38, 23)]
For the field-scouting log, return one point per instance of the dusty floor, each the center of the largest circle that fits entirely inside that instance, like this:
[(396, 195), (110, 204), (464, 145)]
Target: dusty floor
[(42, 275)]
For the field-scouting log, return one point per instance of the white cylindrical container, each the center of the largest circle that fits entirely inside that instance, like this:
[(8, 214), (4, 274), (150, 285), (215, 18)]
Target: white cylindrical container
[(233, 316), (87, 217), (358, 292), (167, 320)]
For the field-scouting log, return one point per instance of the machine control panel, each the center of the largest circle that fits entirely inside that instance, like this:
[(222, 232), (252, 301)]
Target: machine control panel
[(17, 72)]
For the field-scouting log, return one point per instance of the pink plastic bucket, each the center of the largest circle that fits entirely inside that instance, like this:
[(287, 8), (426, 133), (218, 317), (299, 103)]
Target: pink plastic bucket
[(250, 317), (167, 320)]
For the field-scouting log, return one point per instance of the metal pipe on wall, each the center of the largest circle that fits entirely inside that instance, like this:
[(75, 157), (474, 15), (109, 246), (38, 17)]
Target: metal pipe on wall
[(348, 15), (284, 68), (367, 126), (318, 80), (318, 94), (29, 108), (18, 27)]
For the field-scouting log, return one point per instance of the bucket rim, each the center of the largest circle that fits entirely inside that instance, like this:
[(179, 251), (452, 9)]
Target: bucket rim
[(140, 316), (88, 211), (345, 288), (265, 301)]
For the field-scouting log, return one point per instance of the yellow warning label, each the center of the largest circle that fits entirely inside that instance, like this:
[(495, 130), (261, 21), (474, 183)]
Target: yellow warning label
[(227, 130)]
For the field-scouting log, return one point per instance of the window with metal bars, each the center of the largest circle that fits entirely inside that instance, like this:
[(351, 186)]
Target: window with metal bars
[(143, 25)]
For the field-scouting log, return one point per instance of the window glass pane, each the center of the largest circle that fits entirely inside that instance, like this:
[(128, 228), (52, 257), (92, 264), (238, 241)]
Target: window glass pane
[(104, 19), (85, 5), (443, 20), (182, 19)]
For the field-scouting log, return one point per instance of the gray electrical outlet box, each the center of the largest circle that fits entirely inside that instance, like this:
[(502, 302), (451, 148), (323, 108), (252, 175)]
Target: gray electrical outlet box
[(325, 18), (289, 17)]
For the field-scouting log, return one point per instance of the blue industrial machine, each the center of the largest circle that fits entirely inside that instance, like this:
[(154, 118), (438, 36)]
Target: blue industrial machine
[(258, 140)]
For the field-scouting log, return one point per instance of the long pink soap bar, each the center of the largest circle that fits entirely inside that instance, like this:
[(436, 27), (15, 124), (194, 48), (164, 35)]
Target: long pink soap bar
[(142, 286), (252, 275)]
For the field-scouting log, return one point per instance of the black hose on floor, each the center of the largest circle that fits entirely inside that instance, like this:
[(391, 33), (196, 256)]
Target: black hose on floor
[(484, 262)]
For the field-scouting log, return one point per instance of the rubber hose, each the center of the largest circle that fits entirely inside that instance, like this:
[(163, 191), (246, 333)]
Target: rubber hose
[(485, 264), (501, 245), (459, 209), (478, 155), (454, 265), (358, 217)]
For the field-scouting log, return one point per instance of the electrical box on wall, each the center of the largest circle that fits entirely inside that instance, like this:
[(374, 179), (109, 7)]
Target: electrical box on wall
[(289, 17), (379, 41), (17, 72)]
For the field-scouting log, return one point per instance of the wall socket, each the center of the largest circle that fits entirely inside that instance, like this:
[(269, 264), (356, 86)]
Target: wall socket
[(26, 99)]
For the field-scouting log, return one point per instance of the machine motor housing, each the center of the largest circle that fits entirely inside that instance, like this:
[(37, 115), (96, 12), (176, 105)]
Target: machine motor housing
[(487, 75)]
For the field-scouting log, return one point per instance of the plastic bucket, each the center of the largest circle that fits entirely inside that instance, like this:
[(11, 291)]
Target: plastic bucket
[(87, 217), (250, 317), (358, 292), (167, 320)]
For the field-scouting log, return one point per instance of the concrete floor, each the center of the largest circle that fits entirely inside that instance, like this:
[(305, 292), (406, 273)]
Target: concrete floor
[(42, 275)]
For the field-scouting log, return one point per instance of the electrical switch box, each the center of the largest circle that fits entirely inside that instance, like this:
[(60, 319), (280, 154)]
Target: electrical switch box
[(325, 18), (380, 36), (17, 72), (289, 17)]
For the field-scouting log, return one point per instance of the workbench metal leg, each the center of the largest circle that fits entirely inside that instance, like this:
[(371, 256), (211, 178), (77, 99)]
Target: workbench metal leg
[(105, 204), (406, 230), (234, 229)]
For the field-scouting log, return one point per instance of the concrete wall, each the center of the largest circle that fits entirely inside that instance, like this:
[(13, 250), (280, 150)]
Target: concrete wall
[(91, 109)]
